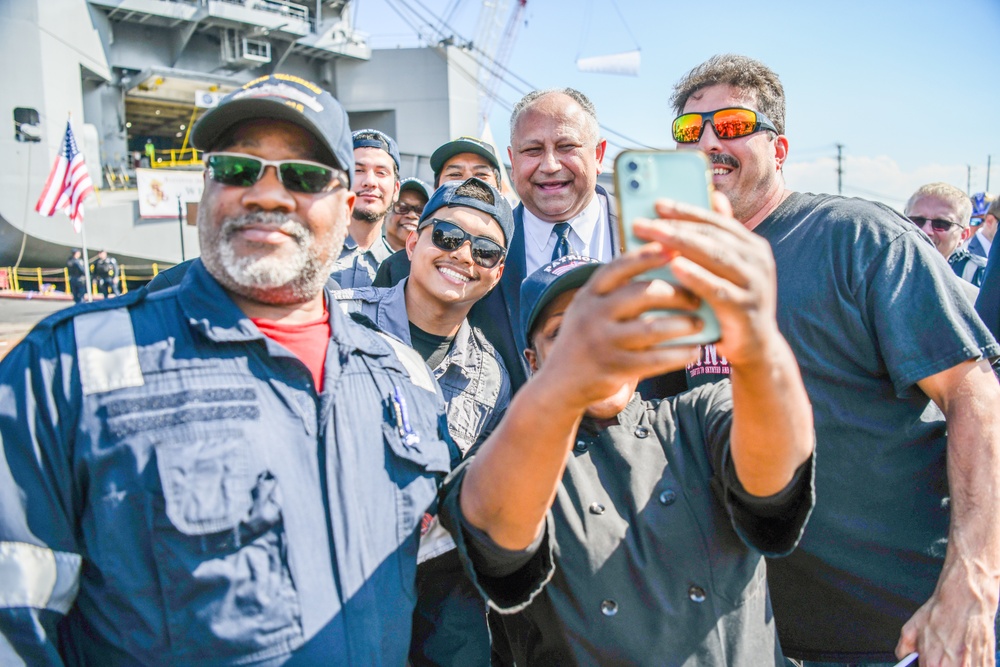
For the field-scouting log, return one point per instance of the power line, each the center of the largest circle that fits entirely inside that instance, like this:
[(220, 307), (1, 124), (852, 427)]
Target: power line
[(624, 23), (483, 59)]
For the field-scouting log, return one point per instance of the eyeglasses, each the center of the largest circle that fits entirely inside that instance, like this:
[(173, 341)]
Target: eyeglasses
[(729, 123), (937, 224), (405, 209), (242, 171), (448, 236)]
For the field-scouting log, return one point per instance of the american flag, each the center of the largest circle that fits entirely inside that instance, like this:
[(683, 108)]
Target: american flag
[(68, 184)]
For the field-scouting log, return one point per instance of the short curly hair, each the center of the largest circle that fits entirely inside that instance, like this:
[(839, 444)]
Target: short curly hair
[(750, 76)]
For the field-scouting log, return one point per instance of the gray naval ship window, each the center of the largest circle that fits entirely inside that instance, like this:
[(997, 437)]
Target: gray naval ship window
[(26, 125)]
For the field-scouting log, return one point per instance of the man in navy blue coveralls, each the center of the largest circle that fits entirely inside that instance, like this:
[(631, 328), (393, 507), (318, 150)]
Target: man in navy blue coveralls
[(179, 487)]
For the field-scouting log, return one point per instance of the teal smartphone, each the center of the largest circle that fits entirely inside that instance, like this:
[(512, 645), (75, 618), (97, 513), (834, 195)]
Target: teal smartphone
[(642, 177)]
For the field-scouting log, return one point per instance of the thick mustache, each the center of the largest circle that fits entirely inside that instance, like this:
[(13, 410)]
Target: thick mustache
[(293, 228), (724, 159)]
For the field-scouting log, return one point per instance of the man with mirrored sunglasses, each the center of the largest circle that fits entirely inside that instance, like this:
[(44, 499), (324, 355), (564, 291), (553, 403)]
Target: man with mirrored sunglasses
[(903, 548), (229, 471), (944, 212), (456, 257)]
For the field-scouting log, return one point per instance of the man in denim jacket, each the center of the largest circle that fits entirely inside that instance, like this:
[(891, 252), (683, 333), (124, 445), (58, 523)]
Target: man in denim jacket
[(457, 254)]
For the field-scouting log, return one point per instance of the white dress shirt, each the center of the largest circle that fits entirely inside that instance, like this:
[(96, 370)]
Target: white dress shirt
[(985, 241), (589, 236)]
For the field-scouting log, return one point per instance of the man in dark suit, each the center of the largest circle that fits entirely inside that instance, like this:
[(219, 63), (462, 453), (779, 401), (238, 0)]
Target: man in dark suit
[(988, 303), (555, 153), (986, 209)]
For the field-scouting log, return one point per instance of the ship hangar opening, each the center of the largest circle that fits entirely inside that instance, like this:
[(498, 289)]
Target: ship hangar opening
[(160, 109)]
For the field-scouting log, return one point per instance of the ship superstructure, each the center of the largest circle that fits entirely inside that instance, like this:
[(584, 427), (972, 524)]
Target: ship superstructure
[(133, 75)]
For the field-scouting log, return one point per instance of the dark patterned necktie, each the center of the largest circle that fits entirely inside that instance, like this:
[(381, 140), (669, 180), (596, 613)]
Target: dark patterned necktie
[(563, 246)]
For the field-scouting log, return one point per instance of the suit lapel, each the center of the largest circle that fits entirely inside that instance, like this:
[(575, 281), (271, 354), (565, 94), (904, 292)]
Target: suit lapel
[(514, 272), (616, 236), (976, 247)]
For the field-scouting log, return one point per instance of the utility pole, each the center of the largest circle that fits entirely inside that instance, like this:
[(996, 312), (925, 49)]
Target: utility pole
[(968, 179), (840, 169), (988, 172)]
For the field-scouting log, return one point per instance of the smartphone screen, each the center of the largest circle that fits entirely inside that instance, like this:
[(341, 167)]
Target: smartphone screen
[(642, 177)]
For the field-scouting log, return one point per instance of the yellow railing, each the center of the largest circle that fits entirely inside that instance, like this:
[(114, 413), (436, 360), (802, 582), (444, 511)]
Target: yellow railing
[(49, 281), (184, 156), (176, 157)]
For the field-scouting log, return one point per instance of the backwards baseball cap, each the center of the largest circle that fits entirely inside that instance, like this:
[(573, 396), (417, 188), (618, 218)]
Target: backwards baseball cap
[(416, 185), (541, 287), (447, 196), (281, 97), (461, 145), (369, 138)]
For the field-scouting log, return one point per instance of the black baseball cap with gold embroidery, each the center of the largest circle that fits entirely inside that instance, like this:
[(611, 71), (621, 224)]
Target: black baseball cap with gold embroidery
[(282, 97)]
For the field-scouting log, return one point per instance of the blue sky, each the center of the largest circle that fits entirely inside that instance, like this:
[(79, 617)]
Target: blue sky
[(910, 88)]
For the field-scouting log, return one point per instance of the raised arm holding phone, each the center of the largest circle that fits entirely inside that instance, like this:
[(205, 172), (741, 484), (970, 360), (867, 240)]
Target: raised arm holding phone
[(633, 500)]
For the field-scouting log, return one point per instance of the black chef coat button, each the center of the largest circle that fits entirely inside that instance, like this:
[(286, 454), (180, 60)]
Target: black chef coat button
[(609, 607)]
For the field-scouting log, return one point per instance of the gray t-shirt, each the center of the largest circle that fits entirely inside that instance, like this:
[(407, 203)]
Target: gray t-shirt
[(869, 308)]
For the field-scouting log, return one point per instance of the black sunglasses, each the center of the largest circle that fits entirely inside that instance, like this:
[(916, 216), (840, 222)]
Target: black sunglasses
[(448, 236), (239, 170), (729, 123), (405, 209), (937, 224)]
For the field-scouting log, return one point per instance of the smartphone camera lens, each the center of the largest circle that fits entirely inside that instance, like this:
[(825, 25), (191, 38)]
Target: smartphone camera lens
[(634, 184), (632, 165)]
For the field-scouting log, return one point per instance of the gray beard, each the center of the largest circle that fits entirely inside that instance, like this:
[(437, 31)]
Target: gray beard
[(267, 278)]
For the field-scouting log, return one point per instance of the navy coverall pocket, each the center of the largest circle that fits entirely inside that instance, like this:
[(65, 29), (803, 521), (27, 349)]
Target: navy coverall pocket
[(221, 551)]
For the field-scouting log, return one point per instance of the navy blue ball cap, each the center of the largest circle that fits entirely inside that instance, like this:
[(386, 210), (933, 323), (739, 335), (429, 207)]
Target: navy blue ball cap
[(981, 204), (369, 138), (281, 97), (445, 152), (541, 287), (416, 185), (447, 196)]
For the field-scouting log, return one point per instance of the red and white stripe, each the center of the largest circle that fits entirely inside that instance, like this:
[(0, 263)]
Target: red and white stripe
[(68, 183)]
